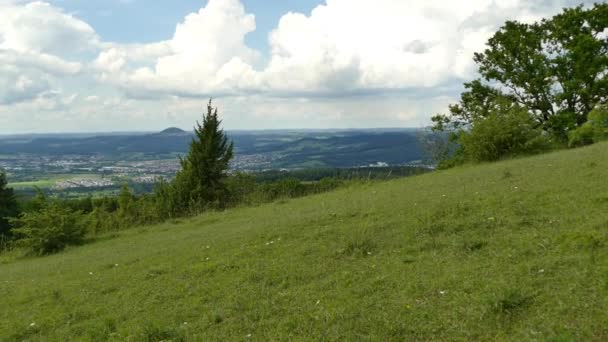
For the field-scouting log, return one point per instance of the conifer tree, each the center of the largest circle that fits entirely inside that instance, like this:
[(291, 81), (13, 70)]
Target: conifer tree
[(201, 182), (8, 205)]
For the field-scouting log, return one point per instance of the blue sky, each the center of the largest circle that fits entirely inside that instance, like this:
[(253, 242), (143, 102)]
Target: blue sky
[(146, 21), (126, 65)]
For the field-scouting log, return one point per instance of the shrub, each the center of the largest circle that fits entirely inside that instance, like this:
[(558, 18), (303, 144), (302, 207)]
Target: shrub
[(581, 136), (8, 208), (327, 184), (503, 133), (49, 230), (594, 130), (240, 186)]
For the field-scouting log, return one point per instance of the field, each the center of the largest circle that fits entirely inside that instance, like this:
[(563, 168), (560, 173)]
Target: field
[(515, 250), (50, 181)]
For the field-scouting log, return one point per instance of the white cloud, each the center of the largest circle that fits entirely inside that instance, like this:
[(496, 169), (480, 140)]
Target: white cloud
[(347, 63), (343, 47), (35, 39), (386, 44), (42, 62), (42, 28), (207, 54), (17, 86)]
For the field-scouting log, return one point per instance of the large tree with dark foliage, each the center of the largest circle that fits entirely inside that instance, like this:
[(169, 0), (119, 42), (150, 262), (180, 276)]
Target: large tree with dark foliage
[(556, 68), (8, 205), (201, 182)]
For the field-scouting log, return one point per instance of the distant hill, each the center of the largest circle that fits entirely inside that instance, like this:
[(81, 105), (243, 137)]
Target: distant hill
[(173, 131), (509, 251)]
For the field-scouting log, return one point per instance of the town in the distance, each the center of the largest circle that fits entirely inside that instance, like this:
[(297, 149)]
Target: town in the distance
[(76, 165)]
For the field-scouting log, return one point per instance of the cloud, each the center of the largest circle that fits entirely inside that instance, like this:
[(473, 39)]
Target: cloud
[(387, 44), (17, 86), (35, 40), (346, 63), (342, 48), (42, 62), (207, 54), (42, 28)]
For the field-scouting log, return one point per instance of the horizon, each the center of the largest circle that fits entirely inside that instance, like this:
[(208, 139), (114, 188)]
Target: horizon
[(102, 66), (126, 132)]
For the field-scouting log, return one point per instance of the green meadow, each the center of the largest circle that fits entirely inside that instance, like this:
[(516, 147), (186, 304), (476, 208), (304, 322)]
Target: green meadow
[(510, 251)]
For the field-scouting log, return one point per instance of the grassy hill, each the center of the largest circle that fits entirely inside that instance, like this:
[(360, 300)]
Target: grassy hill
[(515, 250)]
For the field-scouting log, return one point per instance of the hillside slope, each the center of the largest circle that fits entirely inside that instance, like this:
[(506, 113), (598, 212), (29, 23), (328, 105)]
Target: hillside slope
[(515, 250)]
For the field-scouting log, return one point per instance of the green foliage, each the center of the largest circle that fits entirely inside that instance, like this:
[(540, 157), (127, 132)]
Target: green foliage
[(554, 68), (594, 130), (8, 207), (127, 210), (101, 221), (240, 186), (201, 182), (505, 132), (38, 202), (581, 136), (49, 230), (437, 146)]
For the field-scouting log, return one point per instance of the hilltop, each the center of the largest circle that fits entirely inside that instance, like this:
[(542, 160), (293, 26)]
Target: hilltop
[(173, 131), (514, 250)]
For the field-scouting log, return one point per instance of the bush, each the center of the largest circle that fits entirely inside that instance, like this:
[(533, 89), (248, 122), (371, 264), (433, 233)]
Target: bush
[(240, 186), (49, 230), (581, 136), (503, 133), (592, 131)]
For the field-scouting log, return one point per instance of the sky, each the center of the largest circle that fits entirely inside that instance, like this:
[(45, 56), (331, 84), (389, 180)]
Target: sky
[(144, 65)]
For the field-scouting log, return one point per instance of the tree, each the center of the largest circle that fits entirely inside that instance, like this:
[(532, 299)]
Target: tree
[(555, 68), (437, 147), (594, 130), (201, 183), (126, 206), (8, 205), (504, 132), (49, 230)]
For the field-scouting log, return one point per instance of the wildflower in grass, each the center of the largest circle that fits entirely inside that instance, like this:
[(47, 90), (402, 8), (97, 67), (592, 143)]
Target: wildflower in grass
[(442, 292), (32, 324)]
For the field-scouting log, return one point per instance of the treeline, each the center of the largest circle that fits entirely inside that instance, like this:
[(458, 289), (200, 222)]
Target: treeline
[(542, 86)]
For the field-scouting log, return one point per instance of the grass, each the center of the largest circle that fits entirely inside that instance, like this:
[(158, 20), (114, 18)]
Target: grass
[(515, 250)]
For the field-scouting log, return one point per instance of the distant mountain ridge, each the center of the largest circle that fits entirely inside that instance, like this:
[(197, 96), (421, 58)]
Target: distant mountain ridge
[(267, 149)]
